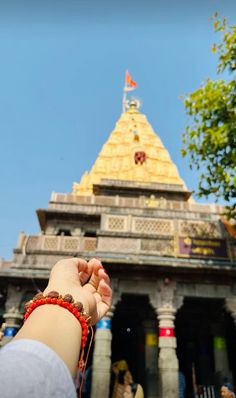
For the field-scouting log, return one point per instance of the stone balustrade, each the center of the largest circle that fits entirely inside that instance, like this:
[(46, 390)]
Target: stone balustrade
[(171, 245), (51, 243), (68, 244), (141, 202)]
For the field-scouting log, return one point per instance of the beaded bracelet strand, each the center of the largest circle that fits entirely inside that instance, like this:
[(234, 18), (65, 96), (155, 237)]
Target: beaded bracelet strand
[(67, 302)]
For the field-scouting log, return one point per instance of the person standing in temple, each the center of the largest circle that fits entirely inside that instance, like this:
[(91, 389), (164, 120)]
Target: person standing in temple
[(227, 391), (124, 386)]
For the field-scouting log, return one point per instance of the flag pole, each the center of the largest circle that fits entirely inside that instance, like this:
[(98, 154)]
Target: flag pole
[(124, 101), (124, 97), (130, 85)]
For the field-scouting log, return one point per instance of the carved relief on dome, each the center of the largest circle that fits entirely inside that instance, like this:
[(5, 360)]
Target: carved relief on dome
[(162, 247), (200, 229), (140, 157)]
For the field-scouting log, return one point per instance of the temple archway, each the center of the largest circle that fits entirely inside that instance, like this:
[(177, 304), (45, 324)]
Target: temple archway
[(134, 330)]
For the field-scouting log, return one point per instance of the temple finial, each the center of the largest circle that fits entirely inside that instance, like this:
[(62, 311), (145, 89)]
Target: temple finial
[(133, 105)]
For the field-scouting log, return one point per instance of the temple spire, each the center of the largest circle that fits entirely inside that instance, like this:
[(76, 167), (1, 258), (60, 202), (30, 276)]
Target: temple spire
[(133, 153)]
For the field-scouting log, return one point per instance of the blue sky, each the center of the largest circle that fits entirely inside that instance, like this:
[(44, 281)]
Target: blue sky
[(61, 78)]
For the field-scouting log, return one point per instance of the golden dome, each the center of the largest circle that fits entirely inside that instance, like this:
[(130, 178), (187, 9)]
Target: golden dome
[(133, 152)]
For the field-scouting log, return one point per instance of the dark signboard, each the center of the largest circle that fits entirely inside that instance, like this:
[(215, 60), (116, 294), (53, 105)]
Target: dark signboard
[(198, 247)]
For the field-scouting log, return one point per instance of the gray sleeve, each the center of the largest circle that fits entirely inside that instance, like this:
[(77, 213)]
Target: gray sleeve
[(30, 369)]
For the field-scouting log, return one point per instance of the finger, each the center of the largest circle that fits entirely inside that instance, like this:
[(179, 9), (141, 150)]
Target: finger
[(95, 264), (96, 276), (101, 273), (85, 275), (80, 264), (104, 298), (93, 284)]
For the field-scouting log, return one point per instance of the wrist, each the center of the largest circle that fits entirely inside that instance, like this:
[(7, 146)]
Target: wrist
[(63, 290), (58, 329), (52, 299)]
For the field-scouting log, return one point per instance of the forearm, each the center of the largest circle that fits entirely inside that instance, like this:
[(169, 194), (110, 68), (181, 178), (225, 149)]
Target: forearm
[(58, 329), (89, 286)]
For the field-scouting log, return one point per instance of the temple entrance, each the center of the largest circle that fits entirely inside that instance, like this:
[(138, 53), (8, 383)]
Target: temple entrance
[(129, 335), (206, 345)]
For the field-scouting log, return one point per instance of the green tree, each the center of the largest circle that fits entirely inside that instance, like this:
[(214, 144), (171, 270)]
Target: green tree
[(210, 138)]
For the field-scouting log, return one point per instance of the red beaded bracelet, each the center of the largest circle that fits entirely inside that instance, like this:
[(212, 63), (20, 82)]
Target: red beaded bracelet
[(67, 302)]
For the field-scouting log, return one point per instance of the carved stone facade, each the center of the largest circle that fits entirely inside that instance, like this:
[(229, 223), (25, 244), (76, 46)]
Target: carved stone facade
[(169, 259)]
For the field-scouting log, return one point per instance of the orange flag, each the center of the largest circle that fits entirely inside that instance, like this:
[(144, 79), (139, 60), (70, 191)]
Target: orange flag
[(129, 81)]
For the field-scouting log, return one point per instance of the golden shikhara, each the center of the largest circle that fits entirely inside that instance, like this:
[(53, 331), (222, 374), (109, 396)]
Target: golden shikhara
[(133, 152)]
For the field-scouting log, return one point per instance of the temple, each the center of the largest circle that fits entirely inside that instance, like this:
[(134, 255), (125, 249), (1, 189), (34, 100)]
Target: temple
[(171, 262)]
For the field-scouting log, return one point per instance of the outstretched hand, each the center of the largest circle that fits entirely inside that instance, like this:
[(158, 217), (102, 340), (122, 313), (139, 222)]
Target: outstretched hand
[(87, 282)]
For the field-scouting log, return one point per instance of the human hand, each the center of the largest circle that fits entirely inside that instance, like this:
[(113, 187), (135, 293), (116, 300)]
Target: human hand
[(86, 281)]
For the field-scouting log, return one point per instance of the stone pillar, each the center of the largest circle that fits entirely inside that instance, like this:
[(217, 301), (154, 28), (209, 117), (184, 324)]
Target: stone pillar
[(230, 305), (13, 320), (167, 362), (167, 302), (101, 370), (21, 240), (151, 352), (13, 317)]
